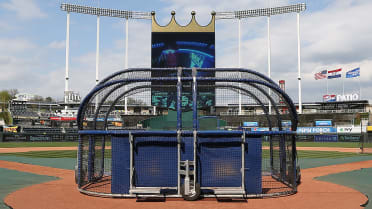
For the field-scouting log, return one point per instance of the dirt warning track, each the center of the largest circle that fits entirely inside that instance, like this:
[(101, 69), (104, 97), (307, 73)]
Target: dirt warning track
[(63, 193)]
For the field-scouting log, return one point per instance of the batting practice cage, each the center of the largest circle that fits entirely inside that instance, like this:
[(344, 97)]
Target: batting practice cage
[(158, 132)]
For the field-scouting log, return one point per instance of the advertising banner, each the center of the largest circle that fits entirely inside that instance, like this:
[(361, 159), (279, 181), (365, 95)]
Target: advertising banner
[(286, 123), (349, 129), (326, 138), (273, 129), (63, 118), (323, 123), (260, 129), (250, 124), (369, 128), (347, 97), (349, 138), (11, 129), (316, 130), (329, 98)]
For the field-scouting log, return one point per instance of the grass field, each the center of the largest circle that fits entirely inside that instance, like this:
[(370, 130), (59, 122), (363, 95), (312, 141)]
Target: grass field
[(329, 144), (72, 154), (324, 144), (37, 144), (75, 144), (44, 154)]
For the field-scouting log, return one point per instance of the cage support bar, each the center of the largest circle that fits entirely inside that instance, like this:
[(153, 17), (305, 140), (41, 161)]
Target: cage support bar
[(243, 162), (179, 98), (131, 163), (179, 162), (194, 99)]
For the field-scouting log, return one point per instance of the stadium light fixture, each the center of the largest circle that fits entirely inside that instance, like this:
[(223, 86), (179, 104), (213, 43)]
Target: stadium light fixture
[(261, 12), (105, 12)]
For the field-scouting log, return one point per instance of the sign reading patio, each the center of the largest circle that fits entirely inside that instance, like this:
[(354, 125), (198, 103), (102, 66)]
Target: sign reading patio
[(347, 97)]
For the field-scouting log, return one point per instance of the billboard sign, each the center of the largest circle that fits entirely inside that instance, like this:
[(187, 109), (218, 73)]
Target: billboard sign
[(323, 123), (12, 129), (268, 129), (286, 123), (72, 97), (316, 130), (250, 124), (260, 129), (63, 118), (369, 128), (329, 98), (349, 129), (347, 97), (340, 98), (326, 138)]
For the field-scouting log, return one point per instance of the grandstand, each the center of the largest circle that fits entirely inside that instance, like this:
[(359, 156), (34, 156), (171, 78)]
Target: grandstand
[(34, 118), (41, 134), (19, 109)]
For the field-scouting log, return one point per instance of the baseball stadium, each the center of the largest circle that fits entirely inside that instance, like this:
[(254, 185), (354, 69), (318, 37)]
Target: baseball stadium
[(185, 133)]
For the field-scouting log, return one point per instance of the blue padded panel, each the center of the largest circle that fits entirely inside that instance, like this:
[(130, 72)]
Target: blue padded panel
[(253, 159), (120, 181), (155, 161), (187, 148), (219, 162)]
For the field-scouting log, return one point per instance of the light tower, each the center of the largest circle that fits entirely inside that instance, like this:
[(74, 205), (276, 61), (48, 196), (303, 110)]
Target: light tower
[(268, 12), (99, 12)]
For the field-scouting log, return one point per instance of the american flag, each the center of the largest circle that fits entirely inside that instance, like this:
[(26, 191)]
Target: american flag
[(320, 75)]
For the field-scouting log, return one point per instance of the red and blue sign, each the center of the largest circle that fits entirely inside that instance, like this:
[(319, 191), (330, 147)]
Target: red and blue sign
[(329, 98)]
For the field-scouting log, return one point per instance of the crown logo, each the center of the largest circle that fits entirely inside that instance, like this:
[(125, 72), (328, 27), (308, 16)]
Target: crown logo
[(193, 26)]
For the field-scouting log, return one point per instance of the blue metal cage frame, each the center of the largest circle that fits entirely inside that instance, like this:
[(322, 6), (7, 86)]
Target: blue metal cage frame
[(189, 170)]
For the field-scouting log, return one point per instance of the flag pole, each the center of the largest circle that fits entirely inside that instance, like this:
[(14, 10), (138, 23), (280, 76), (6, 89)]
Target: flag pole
[(343, 83), (327, 82), (360, 89)]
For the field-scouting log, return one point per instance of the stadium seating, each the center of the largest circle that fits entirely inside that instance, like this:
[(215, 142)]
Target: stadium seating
[(24, 113)]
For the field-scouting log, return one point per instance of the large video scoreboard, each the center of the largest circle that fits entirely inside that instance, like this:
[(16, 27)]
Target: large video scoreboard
[(177, 46)]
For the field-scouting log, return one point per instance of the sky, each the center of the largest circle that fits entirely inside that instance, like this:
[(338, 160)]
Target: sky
[(334, 34)]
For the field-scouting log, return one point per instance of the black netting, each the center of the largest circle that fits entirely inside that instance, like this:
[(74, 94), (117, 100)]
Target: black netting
[(139, 127), (95, 164), (366, 142)]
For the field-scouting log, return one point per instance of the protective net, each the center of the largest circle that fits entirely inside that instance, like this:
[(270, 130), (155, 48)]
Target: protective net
[(160, 131)]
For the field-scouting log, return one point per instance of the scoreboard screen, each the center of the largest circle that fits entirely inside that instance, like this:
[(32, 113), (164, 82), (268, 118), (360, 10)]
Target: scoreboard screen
[(182, 49)]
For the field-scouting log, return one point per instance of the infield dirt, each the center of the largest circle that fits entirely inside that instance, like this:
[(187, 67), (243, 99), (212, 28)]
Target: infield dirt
[(63, 193)]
